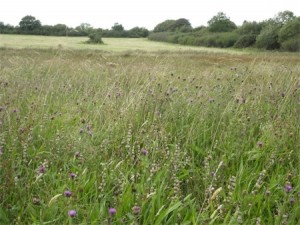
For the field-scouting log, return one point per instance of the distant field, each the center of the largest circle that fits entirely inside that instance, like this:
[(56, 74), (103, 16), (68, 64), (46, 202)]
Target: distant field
[(111, 44)]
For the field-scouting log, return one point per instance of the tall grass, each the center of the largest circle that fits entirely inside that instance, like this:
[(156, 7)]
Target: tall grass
[(163, 138)]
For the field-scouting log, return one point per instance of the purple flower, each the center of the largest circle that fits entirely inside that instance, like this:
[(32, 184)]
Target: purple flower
[(1, 108), (144, 151), (288, 188), (136, 210), (112, 211), (42, 169), (72, 213), (68, 193), (73, 175)]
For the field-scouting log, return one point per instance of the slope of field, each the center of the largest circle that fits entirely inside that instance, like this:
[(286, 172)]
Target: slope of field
[(110, 44), (91, 137)]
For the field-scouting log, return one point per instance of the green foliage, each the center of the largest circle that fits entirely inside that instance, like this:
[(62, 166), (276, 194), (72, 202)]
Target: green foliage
[(117, 27), (249, 28), (29, 24), (95, 38), (290, 30), (221, 23), (292, 44), (84, 29), (268, 38), (7, 29), (204, 38), (137, 32), (171, 37), (245, 41), (180, 25), (284, 17)]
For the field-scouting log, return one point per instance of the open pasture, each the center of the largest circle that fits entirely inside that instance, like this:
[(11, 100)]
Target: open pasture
[(110, 44), (145, 137)]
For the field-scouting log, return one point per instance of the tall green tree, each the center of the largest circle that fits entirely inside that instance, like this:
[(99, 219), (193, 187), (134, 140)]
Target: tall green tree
[(117, 27), (29, 24), (284, 17), (221, 23)]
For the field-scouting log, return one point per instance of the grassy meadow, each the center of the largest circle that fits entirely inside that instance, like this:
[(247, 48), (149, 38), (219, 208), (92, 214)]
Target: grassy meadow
[(110, 44), (158, 136)]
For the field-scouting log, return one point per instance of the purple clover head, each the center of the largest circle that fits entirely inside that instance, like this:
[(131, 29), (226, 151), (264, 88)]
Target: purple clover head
[(144, 151), (1, 108), (136, 210), (42, 169), (73, 175), (72, 213), (259, 144), (288, 188), (112, 211), (68, 193)]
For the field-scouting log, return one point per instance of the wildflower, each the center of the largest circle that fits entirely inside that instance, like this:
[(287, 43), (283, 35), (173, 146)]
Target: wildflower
[(136, 210), (1, 108), (68, 193), (72, 213), (36, 201), (73, 175), (292, 200), (144, 151), (42, 169), (77, 154), (259, 144), (112, 211), (288, 187)]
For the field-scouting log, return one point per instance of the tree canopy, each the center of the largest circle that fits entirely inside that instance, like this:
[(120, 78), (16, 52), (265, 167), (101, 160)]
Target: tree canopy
[(29, 24), (221, 23), (181, 24)]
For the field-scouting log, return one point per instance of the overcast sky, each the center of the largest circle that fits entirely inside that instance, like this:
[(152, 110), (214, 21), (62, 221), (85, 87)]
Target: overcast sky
[(142, 13)]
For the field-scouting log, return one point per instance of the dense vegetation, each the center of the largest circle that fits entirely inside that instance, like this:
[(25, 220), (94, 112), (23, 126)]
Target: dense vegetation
[(88, 137), (280, 32), (30, 25)]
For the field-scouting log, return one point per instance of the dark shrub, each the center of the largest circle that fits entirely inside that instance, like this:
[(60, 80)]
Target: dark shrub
[(292, 45), (245, 41), (95, 38)]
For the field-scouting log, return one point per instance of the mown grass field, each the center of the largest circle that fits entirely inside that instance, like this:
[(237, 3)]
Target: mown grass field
[(110, 44), (147, 137)]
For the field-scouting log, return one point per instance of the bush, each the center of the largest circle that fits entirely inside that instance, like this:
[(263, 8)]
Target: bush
[(221, 40), (171, 37), (245, 41), (268, 38), (292, 45), (95, 38), (290, 30)]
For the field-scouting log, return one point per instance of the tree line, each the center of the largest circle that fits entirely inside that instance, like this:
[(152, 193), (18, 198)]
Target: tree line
[(280, 32), (30, 25)]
